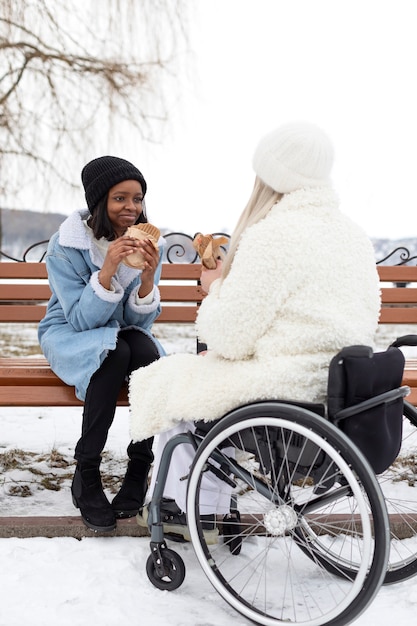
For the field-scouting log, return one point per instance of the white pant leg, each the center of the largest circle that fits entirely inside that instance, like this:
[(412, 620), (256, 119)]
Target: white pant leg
[(181, 460), (215, 494)]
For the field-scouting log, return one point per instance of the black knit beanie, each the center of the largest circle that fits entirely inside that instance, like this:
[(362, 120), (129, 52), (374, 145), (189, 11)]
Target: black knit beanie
[(99, 175)]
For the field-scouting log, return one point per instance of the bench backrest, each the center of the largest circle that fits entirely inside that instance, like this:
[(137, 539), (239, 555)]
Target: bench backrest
[(24, 291), (398, 293)]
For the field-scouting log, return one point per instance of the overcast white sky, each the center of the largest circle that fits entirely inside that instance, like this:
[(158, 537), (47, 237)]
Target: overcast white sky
[(348, 66)]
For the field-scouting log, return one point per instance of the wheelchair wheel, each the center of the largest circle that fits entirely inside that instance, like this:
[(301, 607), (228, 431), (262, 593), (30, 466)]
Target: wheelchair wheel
[(173, 570), (399, 485), (306, 497)]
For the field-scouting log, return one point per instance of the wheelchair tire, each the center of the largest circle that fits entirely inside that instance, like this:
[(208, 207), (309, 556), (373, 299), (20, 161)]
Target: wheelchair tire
[(305, 495), (174, 571)]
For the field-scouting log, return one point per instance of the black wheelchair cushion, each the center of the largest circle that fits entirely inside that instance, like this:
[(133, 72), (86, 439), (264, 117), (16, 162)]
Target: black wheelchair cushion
[(357, 374)]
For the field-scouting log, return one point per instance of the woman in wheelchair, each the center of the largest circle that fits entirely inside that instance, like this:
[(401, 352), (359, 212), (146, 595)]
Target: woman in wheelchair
[(298, 284)]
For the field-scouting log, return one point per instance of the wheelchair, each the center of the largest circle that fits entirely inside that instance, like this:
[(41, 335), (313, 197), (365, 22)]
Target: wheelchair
[(317, 521)]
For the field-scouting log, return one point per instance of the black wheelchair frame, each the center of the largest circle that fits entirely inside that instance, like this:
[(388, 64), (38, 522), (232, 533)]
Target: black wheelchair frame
[(312, 503)]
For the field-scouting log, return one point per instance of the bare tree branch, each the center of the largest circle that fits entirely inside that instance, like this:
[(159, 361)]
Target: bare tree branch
[(75, 72)]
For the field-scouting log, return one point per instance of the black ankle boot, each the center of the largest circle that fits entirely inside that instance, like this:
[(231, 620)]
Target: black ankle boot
[(89, 497), (133, 490)]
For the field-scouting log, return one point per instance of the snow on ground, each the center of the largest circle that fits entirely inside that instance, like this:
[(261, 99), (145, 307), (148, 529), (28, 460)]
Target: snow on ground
[(64, 581), (67, 582)]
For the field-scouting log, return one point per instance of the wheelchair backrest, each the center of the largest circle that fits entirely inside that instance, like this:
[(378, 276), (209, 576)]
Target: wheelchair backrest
[(357, 374)]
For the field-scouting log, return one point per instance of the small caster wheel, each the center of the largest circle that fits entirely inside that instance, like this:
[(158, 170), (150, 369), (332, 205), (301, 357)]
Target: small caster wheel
[(173, 570), (232, 532)]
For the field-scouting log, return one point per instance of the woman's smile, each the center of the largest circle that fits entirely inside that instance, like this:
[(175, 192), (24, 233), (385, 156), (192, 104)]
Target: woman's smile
[(124, 205)]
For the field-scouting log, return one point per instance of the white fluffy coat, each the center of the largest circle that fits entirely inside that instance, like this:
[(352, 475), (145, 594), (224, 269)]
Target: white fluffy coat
[(303, 284)]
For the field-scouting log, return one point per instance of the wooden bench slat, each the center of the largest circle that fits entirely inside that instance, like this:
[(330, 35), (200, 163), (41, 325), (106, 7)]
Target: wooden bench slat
[(181, 271), (42, 293), (32, 395), (181, 293), (395, 295), (23, 362), (22, 312), (22, 270), (398, 315), (27, 371), (179, 314), (185, 293), (25, 292), (29, 395), (397, 273), (25, 271)]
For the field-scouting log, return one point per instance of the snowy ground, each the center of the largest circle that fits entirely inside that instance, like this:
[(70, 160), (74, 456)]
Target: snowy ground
[(49, 582)]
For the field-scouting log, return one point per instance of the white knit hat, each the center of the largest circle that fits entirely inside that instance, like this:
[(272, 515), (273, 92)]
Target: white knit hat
[(294, 156)]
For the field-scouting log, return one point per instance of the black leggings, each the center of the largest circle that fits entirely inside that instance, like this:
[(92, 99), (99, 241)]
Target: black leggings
[(134, 349)]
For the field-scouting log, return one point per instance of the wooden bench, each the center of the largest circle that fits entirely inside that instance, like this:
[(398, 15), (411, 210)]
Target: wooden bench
[(399, 306), (29, 381)]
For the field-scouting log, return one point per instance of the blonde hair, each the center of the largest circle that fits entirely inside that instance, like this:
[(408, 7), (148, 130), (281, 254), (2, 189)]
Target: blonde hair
[(261, 200)]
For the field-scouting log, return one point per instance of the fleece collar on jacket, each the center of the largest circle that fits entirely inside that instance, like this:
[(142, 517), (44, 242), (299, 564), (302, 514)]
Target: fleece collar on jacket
[(74, 234), (314, 197)]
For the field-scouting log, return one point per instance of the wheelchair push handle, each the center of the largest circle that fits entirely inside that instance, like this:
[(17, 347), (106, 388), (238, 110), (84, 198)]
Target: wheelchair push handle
[(405, 340)]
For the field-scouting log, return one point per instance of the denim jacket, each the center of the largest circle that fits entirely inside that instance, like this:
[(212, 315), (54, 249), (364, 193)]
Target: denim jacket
[(83, 319)]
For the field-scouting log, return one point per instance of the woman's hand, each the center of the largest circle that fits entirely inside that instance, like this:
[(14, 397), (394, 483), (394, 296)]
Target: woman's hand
[(208, 276), (118, 250), (151, 257)]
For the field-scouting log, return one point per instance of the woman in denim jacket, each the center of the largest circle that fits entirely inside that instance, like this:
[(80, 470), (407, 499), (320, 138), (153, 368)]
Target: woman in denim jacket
[(97, 328)]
